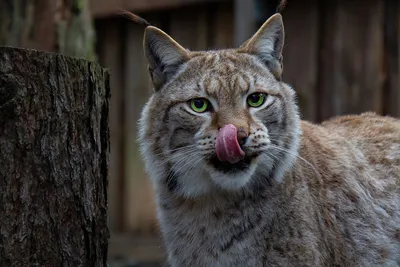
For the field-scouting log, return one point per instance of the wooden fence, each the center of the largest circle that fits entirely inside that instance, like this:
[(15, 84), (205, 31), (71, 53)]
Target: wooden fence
[(340, 56)]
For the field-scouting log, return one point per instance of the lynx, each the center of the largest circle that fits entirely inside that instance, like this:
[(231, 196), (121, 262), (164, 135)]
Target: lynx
[(241, 180)]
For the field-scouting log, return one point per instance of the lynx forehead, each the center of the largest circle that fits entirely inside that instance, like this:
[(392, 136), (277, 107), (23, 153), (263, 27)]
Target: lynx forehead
[(240, 180)]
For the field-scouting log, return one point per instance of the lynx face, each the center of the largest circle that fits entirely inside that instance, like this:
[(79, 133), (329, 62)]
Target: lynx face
[(217, 118)]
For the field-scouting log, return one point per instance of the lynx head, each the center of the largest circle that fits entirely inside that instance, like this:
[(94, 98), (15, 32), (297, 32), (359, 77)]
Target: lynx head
[(218, 120)]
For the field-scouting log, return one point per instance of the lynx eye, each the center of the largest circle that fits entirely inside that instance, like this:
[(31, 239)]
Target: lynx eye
[(255, 100), (199, 105)]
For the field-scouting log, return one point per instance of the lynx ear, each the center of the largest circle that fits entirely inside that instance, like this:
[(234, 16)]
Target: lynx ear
[(164, 55), (267, 44)]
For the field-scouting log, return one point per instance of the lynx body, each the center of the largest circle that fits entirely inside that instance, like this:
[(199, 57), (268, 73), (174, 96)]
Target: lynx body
[(240, 180)]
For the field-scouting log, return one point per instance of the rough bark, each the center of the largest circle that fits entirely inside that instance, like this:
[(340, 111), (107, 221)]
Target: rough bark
[(54, 146), (63, 26)]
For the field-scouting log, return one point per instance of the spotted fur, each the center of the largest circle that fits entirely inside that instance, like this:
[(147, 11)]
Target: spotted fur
[(305, 195)]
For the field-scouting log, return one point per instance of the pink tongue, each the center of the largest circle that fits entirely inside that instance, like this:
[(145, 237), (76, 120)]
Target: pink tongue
[(227, 146)]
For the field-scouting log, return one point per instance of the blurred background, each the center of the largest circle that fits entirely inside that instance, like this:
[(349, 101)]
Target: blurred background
[(341, 56)]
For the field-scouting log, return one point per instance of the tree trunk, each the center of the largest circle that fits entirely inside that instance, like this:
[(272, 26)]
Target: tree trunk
[(63, 26), (54, 147)]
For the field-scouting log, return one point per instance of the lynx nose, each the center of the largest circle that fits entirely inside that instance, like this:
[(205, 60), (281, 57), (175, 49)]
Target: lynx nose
[(227, 144), (242, 136)]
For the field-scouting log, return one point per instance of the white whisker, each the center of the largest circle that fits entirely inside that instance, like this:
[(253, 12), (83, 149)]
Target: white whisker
[(182, 154), (177, 149), (295, 156), (185, 163)]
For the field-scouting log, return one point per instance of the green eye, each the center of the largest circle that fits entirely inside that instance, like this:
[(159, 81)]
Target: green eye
[(199, 105), (256, 99)]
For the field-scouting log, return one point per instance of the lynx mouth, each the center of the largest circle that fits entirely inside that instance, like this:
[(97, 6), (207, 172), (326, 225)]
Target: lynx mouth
[(227, 167)]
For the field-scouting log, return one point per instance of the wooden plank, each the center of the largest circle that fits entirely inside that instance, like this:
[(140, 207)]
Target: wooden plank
[(109, 49), (103, 8), (203, 29), (222, 30), (244, 20), (392, 56), (139, 208), (300, 55), (265, 9), (189, 27), (351, 60)]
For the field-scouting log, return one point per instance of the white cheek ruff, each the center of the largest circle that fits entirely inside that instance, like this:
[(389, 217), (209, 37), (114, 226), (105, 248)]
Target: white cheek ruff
[(232, 181)]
